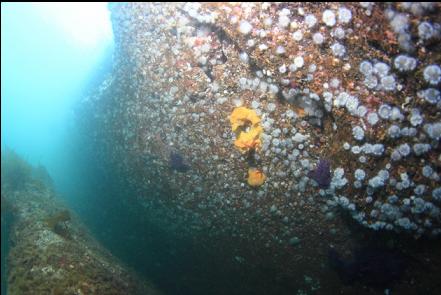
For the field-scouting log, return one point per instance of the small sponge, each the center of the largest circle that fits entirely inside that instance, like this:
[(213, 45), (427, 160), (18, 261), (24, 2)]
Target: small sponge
[(255, 177), (242, 116), (246, 124)]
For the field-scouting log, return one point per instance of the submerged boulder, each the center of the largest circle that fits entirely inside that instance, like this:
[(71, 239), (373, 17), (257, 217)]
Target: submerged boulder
[(51, 252), (276, 86)]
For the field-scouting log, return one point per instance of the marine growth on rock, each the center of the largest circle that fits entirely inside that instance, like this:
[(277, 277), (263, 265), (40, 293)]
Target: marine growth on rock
[(277, 87)]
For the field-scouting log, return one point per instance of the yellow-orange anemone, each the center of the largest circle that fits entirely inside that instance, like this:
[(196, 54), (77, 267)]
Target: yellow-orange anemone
[(246, 124), (255, 177)]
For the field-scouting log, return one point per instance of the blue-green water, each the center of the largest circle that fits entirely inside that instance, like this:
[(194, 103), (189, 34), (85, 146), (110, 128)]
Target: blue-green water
[(51, 55)]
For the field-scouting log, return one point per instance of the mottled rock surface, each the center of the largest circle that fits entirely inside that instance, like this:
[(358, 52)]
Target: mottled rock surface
[(51, 252), (355, 83)]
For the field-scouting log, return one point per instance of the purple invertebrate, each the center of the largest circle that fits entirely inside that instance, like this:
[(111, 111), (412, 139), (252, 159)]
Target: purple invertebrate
[(177, 162), (322, 173)]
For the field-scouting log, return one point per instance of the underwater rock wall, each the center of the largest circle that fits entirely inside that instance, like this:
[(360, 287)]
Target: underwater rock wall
[(355, 85), (341, 110), (52, 253)]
